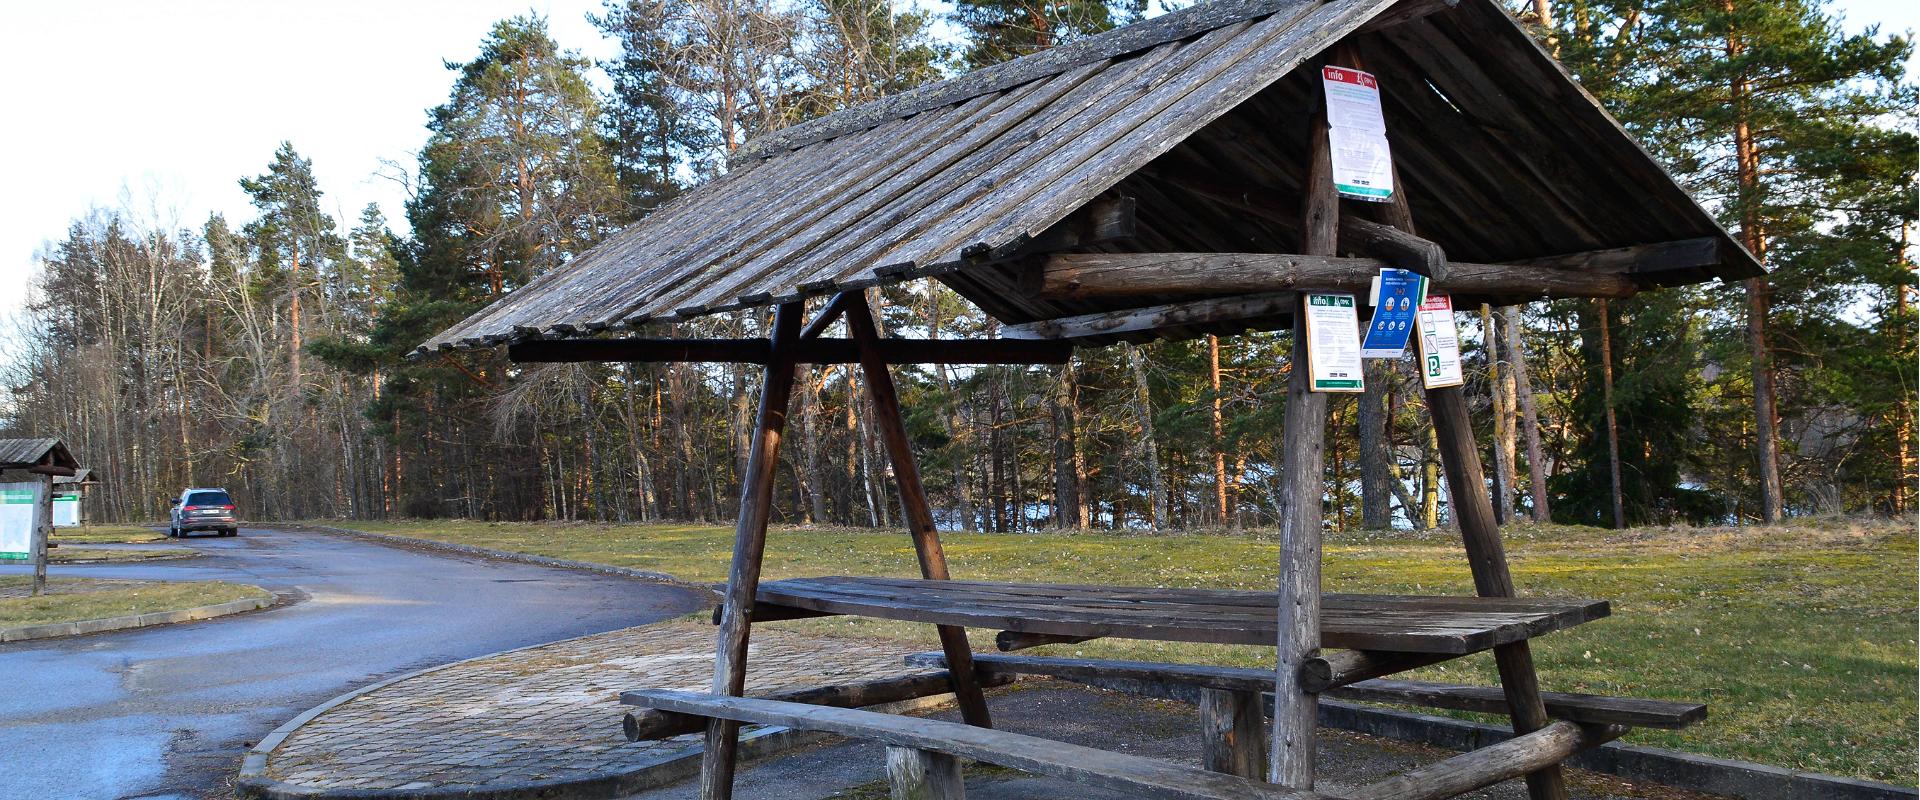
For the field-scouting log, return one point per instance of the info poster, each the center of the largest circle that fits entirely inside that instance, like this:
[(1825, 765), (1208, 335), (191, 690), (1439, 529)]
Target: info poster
[(1396, 293), (16, 520), (1333, 343), (1439, 344), (66, 510), (1357, 133)]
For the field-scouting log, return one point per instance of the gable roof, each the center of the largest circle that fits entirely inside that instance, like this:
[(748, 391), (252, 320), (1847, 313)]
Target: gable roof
[(1502, 156), (29, 453)]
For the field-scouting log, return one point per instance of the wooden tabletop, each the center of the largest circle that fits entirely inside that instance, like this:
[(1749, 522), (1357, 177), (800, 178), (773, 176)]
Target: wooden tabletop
[(1395, 623)]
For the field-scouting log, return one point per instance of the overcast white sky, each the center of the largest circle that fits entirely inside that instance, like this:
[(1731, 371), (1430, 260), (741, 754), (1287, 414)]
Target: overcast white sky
[(131, 103)]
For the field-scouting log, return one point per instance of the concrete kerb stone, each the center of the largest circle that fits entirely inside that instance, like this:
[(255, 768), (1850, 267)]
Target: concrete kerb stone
[(499, 555), (85, 626)]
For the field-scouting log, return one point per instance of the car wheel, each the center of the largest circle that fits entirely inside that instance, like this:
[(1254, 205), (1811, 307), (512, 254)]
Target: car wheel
[(230, 532)]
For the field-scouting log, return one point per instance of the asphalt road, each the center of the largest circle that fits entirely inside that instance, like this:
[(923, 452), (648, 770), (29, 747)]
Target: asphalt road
[(168, 711)]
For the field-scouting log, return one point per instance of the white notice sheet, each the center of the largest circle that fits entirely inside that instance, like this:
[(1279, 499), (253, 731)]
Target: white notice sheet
[(1439, 344), (1333, 343), (1357, 131)]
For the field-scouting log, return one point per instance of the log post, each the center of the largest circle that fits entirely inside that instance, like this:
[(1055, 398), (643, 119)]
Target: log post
[(1296, 710), (1232, 733), (913, 503), (923, 775), (749, 545), (42, 531)]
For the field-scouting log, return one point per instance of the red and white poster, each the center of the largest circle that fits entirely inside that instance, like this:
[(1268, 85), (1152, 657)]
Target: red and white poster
[(1439, 344), (1357, 131)]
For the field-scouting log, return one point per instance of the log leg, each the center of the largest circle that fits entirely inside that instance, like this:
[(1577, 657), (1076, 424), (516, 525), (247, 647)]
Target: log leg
[(1473, 509), (1232, 729), (923, 775), (749, 545), (913, 503), (1303, 472)]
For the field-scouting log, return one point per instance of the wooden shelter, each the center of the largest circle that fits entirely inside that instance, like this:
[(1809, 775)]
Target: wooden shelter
[(45, 461), (1163, 180), (74, 489)]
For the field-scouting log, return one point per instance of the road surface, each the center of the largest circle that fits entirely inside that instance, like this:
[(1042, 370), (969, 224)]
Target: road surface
[(167, 712)]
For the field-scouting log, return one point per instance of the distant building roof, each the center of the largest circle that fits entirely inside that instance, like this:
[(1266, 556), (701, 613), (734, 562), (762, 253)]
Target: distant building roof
[(48, 455)]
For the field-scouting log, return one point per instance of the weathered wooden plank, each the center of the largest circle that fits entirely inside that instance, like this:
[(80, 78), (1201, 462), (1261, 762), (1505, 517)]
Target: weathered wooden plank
[(810, 351), (1407, 11), (914, 774), (1233, 733), (1406, 624), (1404, 249), (1108, 275), (1640, 258), (1521, 755), (650, 724), (1154, 318), (1116, 771), (749, 546), (1190, 21)]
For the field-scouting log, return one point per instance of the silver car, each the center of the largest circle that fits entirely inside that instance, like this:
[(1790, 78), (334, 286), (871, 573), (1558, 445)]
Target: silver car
[(203, 510)]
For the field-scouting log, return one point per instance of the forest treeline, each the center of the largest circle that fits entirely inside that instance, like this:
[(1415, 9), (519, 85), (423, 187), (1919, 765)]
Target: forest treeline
[(267, 355)]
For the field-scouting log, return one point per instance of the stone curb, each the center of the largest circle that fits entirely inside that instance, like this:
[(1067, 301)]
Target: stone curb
[(54, 562), (254, 784), (53, 629), (498, 555), (1722, 776)]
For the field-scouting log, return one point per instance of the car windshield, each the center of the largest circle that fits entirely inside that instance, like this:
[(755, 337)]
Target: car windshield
[(209, 499)]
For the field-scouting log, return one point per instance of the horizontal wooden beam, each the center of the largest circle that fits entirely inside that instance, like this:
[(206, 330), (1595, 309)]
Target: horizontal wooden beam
[(1583, 708), (653, 724), (1637, 259), (1341, 667), (1010, 641), (1168, 315), (813, 351), (1081, 276)]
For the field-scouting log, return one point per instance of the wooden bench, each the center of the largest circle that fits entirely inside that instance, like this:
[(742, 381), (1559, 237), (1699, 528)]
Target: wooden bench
[(1182, 681), (923, 754)]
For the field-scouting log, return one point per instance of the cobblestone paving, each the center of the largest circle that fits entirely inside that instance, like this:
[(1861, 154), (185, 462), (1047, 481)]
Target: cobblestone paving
[(545, 714)]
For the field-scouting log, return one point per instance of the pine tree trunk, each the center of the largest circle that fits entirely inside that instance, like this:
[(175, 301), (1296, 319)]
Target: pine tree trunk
[(1613, 423), (1766, 418), (1150, 450), (1069, 512), (810, 426), (1219, 433), (1497, 392), (1376, 469), (1529, 414)]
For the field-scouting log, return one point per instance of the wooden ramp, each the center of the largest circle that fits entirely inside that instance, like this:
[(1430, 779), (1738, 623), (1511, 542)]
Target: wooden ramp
[(1391, 623)]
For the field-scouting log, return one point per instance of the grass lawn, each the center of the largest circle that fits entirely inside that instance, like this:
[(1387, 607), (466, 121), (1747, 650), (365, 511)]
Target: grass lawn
[(107, 534), (1800, 638), (73, 599), (68, 554)]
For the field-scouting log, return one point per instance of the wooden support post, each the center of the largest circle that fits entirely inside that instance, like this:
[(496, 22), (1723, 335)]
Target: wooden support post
[(1232, 730), (749, 545), (1296, 710), (1487, 557), (1480, 534), (913, 503), (42, 530), (923, 775), (1492, 764)]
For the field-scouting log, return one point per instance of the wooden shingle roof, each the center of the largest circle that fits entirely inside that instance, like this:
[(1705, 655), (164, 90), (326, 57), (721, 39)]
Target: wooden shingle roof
[(1502, 156), (49, 455)]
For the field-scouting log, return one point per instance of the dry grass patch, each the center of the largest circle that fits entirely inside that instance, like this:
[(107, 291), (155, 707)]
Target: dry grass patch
[(75, 599)]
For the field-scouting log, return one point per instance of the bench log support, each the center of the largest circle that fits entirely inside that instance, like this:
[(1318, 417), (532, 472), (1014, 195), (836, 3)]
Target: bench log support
[(914, 774), (913, 502), (1233, 732), (749, 546)]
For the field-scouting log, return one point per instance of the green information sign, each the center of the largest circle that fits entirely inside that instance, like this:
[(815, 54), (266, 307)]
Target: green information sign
[(16, 520)]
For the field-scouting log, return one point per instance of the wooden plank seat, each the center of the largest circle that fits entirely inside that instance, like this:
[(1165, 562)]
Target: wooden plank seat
[(1168, 680), (1117, 771), (1393, 623)]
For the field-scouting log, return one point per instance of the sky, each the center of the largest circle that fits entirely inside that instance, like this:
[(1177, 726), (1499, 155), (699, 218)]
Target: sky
[(158, 109)]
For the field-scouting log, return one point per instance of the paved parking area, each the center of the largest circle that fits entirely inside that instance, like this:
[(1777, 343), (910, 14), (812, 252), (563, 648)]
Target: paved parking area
[(549, 713)]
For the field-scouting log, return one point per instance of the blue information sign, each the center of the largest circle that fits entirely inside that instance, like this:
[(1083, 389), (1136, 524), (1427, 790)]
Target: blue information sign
[(1393, 314)]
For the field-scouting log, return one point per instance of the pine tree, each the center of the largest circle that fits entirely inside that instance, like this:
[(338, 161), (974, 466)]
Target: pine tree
[(1003, 30)]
